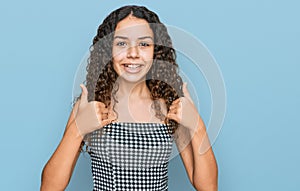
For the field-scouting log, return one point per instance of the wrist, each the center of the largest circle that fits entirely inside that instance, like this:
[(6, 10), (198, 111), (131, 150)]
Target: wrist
[(73, 131)]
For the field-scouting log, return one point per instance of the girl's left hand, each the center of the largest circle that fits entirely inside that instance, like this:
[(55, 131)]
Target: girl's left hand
[(183, 111)]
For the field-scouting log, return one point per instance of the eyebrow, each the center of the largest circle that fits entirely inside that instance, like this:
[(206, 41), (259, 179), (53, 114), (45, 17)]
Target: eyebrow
[(140, 38)]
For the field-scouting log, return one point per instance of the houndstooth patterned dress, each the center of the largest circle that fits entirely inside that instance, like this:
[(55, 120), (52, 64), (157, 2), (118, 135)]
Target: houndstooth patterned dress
[(131, 156)]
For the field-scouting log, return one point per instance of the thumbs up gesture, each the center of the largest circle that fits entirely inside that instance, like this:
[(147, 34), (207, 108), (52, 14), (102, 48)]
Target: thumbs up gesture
[(90, 116), (183, 111)]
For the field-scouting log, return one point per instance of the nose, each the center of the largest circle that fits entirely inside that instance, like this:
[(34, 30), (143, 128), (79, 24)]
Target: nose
[(133, 52)]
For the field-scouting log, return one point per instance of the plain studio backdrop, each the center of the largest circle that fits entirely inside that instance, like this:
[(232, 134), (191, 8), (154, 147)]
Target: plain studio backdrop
[(255, 43)]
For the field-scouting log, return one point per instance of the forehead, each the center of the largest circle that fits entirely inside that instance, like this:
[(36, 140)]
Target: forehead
[(133, 27)]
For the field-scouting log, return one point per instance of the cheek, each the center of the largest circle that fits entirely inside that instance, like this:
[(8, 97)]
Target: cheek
[(118, 54), (116, 66), (148, 55), (117, 69), (117, 59)]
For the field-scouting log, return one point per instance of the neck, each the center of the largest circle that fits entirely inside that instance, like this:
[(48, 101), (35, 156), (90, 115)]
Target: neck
[(132, 89)]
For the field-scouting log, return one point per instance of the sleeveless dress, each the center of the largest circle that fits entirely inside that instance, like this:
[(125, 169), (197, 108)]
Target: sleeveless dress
[(131, 156)]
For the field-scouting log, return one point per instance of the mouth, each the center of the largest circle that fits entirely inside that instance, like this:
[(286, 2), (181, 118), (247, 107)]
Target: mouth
[(132, 68)]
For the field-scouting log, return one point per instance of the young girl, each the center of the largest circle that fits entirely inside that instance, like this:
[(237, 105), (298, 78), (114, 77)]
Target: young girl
[(133, 107)]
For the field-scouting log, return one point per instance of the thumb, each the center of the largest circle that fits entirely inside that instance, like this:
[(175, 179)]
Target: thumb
[(84, 94), (186, 93), (106, 122)]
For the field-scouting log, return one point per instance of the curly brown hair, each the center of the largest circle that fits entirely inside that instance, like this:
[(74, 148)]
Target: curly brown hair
[(162, 79)]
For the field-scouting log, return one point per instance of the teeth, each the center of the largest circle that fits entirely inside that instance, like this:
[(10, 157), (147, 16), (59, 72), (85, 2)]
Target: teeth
[(132, 66)]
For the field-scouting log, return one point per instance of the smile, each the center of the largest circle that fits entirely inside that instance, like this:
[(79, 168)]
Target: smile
[(132, 65), (132, 68)]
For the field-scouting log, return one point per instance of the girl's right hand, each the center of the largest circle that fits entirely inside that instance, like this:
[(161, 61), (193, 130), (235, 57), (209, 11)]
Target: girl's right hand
[(90, 116)]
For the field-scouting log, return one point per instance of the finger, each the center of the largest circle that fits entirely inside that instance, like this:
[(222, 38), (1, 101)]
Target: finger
[(173, 106), (112, 115), (176, 101), (84, 94), (100, 104), (99, 108), (104, 110), (99, 114), (106, 122), (174, 111), (104, 116), (101, 111), (173, 117), (186, 93)]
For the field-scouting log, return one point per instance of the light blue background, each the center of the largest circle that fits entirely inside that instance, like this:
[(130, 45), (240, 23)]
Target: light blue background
[(256, 44)]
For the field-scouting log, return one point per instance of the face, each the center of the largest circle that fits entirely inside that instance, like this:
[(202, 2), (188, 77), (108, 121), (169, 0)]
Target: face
[(133, 48)]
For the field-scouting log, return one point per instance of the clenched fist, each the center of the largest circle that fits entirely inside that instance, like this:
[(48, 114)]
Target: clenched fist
[(184, 112), (90, 116)]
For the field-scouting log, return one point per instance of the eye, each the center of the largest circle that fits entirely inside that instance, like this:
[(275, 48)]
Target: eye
[(144, 44), (121, 43)]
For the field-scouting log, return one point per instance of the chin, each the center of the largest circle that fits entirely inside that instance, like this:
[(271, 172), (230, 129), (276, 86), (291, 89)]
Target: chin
[(132, 79)]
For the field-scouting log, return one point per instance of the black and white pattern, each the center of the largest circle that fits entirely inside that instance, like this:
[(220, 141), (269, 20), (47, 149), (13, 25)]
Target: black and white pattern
[(131, 156)]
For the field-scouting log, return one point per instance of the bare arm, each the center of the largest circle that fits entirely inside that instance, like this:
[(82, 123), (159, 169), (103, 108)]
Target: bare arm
[(201, 168), (192, 140), (58, 170), (90, 116)]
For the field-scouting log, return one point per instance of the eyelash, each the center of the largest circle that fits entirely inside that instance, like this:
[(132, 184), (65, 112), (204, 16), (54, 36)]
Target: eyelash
[(121, 43), (142, 44)]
